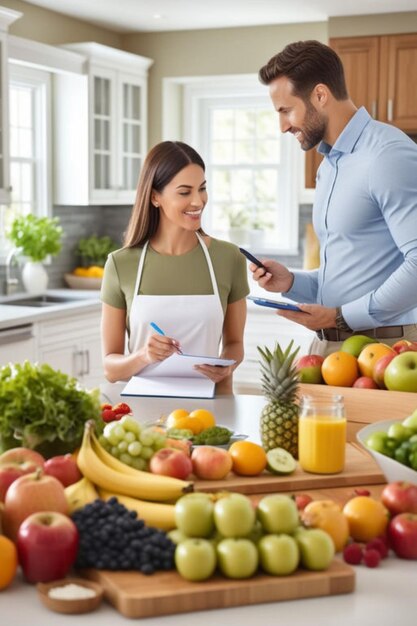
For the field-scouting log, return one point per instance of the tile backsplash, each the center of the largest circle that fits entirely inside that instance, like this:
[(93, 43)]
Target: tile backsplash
[(78, 222)]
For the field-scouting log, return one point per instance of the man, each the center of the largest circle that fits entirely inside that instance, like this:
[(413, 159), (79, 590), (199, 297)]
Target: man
[(364, 212)]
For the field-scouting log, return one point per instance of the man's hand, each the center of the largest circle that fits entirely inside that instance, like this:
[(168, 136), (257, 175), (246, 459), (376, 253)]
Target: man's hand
[(313, 316), (278, 278)]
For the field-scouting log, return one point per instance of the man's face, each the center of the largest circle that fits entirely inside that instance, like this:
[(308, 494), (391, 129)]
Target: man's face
[(297, 116)]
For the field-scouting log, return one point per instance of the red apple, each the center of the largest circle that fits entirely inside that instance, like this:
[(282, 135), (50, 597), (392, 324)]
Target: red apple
[(47, 545), (171, 462), (309, 368), (210, 462), (365, 382), (402, 534), (15, 463), (398, 346), (380, 366), (400, 497), (30, 494), (64, 468)]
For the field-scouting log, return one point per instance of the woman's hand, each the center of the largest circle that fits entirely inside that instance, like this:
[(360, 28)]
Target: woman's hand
[(216, 373), (159, 348)]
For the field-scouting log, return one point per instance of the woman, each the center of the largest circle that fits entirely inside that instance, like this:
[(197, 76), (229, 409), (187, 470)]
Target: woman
[(171, 273)]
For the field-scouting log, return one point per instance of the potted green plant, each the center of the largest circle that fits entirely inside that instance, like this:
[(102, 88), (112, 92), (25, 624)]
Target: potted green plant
[(35, 238), (94, 250)]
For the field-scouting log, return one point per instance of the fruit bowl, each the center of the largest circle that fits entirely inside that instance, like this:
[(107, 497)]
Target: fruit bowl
[(82, 282), (392, 469), (70, 605)]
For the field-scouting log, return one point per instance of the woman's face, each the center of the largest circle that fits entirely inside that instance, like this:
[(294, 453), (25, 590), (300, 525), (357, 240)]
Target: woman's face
[(183, 199)]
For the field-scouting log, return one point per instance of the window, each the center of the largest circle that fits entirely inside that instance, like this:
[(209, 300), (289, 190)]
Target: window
[(29, 120), (252, 168)]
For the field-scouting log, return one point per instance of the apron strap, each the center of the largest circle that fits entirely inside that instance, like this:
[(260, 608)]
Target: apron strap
[(140, 269), (210, 265)]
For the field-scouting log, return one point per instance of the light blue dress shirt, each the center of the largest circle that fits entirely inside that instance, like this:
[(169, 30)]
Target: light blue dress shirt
[(365, 216)]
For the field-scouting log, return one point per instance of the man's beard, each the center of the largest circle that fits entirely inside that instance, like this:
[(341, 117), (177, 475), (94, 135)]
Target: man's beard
[(314, 128)]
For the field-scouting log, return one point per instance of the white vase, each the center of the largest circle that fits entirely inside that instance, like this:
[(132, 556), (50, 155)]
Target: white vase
[(34, 277)]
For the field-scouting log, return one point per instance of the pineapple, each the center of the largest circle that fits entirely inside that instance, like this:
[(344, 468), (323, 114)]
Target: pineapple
[(279, 418)]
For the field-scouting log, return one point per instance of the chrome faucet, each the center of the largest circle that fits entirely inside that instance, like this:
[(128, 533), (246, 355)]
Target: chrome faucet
[(11, 285)]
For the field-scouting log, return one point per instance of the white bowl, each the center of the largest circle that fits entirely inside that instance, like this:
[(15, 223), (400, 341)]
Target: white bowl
[(393, 470), (82, 282)]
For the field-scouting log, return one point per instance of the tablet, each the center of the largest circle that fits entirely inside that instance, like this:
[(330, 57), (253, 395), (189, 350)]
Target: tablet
[(274, 304)]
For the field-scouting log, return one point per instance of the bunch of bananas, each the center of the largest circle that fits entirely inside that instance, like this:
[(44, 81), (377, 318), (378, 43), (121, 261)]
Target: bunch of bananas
[(104, 476)]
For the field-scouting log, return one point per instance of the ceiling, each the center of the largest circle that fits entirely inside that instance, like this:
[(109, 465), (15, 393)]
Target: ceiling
[(124, 16)]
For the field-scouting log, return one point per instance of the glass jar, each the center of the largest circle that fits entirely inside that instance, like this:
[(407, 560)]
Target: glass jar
[(322, 435)]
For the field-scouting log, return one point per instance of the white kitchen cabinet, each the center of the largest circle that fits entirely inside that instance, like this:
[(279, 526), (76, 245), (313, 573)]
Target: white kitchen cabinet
[(7, 17), (264, 328), (100, 133), (17, 344), (73, 345)]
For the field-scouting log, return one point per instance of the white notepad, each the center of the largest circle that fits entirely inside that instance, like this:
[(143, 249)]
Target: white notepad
[(175, 378)]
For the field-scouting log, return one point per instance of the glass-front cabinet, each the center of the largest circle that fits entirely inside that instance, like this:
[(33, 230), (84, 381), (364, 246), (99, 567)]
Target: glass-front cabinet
[(113, 122)]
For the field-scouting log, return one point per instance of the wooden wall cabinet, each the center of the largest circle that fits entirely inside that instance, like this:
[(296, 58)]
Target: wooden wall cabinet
[(381, 75)]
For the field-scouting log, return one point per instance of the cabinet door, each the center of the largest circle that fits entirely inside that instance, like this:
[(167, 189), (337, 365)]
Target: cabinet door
[(93, 374), (4, 125), (360, 58), (131, 124), (66, 356), (398, 86)]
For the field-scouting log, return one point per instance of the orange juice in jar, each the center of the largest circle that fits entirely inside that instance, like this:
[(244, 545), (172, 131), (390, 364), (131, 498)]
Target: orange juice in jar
[(322, 435)]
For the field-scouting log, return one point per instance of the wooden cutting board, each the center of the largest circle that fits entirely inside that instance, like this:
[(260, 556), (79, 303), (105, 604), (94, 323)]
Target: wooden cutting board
[(360, 469), (166, 593)]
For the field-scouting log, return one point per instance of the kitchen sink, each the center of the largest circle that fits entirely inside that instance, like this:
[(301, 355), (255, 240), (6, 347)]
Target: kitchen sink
[(40, 301)]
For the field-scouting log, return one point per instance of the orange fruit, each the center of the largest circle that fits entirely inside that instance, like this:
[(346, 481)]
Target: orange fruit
[(340, 369), (249, 459), (370, 354), (206, 417), (174, 416), (327, 515), (8, 560), (367, 518)]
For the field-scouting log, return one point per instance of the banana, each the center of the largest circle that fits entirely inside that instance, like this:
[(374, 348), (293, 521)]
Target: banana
[(80, 493), (152, 513), (142, 485)]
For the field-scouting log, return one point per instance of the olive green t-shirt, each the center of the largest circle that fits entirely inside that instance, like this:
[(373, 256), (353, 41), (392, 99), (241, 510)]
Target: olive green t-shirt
[(185, 274)]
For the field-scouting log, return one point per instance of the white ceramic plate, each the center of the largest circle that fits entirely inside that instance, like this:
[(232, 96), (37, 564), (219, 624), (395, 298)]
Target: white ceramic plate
[(82, 282), (393, 470)]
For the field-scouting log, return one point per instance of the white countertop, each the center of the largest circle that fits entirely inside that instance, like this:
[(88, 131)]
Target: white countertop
[(10, 315), (384, 596)]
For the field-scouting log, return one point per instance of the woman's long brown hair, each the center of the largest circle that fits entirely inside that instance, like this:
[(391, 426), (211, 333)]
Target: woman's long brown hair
[(162, 163)]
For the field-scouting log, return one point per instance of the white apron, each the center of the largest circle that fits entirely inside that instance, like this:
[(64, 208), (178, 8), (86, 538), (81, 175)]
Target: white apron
[(196, 321)]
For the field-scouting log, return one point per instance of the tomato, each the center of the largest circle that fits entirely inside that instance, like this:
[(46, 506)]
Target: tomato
[(367, 517), (340, 369), (402, 533)]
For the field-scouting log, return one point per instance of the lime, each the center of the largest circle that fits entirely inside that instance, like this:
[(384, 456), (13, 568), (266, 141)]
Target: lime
[(377, 440), (280, 461)]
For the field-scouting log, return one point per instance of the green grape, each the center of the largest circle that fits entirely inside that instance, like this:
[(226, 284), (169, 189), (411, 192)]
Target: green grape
[(159, 442), (126, 458), (103, 441), (146, 453), (114, 451), (130, 424), (130, 437), (134, 448), (147, 437), (110, 433), (139, 464), (122, 446)]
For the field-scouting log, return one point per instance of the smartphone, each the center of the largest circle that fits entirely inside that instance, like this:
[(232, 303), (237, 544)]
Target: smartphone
[(252, 258), (274, 304)]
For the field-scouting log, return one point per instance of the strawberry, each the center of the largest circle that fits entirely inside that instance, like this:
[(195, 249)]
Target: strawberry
[(109, 415), (121, 408), (105, 405)]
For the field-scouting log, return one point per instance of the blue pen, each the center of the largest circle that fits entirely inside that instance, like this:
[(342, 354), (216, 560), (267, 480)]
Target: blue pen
[(161, 332)]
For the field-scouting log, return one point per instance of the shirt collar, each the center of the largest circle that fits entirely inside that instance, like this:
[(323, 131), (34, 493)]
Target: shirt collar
[(350, 134)]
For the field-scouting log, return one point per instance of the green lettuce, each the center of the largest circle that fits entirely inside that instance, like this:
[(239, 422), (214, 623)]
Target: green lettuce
[(44, 409)]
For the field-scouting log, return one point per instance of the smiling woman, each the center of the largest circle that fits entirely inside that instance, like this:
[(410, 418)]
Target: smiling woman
[(171, 273)]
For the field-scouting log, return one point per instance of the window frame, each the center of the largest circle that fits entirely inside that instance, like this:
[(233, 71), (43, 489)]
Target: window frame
[(200, 91)]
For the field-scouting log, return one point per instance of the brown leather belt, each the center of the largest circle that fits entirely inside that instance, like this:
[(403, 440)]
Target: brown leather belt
[(384, 332)]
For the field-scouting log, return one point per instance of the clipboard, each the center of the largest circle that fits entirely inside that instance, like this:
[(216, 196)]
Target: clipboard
[(175, 377)]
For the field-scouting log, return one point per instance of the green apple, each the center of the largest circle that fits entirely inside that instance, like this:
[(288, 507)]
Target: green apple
[(279, 554), (411, 421), (177, 536), (195, 559), (256, 533), (316, 548), (401, 373), (354, 344), (278, 513), (234, 515), (397, 430), (377, 441), (237, 558), (194, 515)]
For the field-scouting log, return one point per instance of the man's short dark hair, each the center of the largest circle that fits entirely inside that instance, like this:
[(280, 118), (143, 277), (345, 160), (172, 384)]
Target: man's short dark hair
[(306, 64)]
